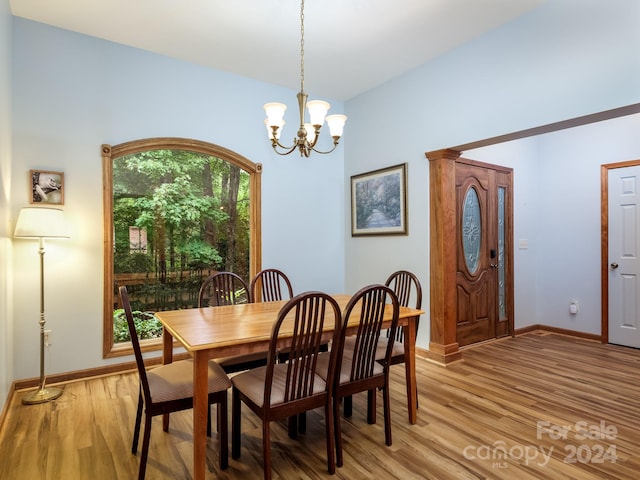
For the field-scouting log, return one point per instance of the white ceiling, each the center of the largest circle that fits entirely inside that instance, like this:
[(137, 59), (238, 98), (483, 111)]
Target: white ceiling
[(350, 45)]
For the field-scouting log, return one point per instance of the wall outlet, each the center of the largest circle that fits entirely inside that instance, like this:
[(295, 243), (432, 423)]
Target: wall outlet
[(47, 338), (573, 307)]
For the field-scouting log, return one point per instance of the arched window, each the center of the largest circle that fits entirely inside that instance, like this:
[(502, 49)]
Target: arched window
[(174, 210)]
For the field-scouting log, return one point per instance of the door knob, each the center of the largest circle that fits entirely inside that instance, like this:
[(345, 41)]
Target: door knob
[(494, 265), (614, 265)]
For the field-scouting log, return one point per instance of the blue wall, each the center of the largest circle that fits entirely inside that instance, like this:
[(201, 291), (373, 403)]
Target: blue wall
[(71, 94), (565, 59)]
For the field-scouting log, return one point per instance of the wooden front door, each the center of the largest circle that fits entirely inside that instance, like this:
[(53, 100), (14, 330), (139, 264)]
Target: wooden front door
[(483, 251)]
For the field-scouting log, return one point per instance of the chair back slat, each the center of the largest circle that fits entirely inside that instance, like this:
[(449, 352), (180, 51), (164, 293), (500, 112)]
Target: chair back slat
[(271, 285), (369, 304), (306, 315), (223, 288)]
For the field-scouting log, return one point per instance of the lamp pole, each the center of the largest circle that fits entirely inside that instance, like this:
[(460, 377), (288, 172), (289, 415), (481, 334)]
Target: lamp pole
[(44, 393)]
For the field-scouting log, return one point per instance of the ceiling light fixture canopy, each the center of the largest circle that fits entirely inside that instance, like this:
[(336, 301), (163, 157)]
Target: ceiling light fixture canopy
[(308, 132)]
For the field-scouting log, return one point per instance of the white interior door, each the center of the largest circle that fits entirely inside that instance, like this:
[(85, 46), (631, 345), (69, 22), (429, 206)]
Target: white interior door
[(624, 245)]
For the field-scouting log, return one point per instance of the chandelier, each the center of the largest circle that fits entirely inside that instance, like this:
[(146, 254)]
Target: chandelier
[(308, 133)]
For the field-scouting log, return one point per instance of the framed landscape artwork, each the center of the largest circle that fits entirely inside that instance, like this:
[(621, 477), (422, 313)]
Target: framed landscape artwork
[(47, 187), (379, 202)]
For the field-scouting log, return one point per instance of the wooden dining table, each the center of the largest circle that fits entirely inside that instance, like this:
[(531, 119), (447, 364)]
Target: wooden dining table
[(214, 332)]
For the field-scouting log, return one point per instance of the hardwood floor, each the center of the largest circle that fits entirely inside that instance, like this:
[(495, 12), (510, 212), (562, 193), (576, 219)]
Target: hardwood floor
[(559, 407)]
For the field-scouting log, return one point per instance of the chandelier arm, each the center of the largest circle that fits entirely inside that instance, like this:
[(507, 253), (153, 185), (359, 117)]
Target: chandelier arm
[(276, 143), (287, 150), (335, 145), (309, 144), (305, 151)]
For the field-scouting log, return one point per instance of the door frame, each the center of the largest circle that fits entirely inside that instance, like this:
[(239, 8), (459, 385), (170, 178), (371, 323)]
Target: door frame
[(443, 345), (604, 239)]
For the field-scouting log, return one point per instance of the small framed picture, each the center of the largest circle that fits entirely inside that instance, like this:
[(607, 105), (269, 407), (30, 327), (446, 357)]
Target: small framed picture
[(379, 202), (47, 187)]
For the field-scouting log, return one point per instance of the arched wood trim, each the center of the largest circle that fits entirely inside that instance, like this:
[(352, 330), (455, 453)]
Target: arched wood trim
[(108, 153)]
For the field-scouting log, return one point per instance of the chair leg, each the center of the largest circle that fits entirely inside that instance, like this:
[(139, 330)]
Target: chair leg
[(387, 414), (136, 428), (348, 406), (266, 448), (223, 429), (371, 406), (235, 423), (209, 421), (302, 423), (146, 437), (329, 427), (165, 422), (297, 424), (337, 431), (292, 426)]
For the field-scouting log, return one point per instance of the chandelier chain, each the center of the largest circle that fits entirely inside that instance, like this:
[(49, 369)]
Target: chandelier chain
[(302, 46)]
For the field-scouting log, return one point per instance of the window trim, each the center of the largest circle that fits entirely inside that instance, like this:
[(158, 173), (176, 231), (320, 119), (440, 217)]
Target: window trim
[(109, 349)]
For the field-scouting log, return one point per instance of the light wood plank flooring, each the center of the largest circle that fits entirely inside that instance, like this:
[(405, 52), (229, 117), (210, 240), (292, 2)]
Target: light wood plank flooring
[(537, 396)]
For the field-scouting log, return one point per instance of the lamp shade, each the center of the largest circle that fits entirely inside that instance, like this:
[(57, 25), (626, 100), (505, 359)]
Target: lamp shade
[(275, 113), (317, 111), (336, 124), (41, 222)]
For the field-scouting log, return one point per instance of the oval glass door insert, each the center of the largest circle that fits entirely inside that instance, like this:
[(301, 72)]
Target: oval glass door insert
[(471, 229)]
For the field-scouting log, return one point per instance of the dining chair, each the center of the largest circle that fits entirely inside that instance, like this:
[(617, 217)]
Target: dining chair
[(169, 388), (223, 288), (357, 369), (406, 286), (270, 285), (278, 391), (228, 288)]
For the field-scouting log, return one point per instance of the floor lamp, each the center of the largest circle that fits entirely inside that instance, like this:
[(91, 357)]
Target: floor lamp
[(41, 223)]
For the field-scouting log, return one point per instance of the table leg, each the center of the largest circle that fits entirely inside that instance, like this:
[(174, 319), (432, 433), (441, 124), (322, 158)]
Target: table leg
[(410, 368), (200, 406), (167, 357), (167, 347)]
